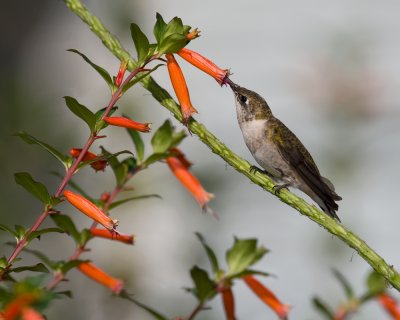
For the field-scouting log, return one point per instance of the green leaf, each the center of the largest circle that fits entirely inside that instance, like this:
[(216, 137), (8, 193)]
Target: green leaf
[(74, 186), (166, 137), (210, 253), (204, 286), (103, 73), (70, 265), (81, 112), (41, 256), (5, 228), (243, 254), (39, 267), (175, 26), (159, 27), (37, 189), (249, 272), (345, 283), (156, 157), (323, 308), (38, 233), (65, 223), (173, 43), (151, 311), (139, 145), (55, 153), (120, 171), (119, 202), (101, 124), (141, 42), (376, 283)]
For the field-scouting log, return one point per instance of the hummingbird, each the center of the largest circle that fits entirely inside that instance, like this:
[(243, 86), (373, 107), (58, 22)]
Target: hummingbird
[(279, 152)]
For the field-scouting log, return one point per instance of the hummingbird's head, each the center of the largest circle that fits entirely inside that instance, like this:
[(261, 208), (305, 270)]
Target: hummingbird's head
[(249, 104)]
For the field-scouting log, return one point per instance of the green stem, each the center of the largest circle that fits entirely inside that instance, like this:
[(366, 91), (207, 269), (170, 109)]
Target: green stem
[(216, 146)]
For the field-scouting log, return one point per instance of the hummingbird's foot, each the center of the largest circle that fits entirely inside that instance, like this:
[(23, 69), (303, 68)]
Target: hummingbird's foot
[(278, 187), (254, 169)]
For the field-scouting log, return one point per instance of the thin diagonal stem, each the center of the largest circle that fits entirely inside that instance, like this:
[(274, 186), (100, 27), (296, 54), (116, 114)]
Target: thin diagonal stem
[(219, 148)]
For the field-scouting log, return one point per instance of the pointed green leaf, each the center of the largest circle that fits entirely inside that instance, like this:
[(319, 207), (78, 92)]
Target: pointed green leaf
[(5, 228), (103, 73), (141, 42), (173, 43), (248, 272), (139, 145), (243, 254), (119, 202), (81, 112), (37, 189), (323, 308), (70, 265), (175, 26), (345, 283), (38, 233), (210, 253), (41, 256), (120, 171), (39, 267), (55, 153), (65, 223), (204, 286), (156, 157), (159, 27), (162, 138)]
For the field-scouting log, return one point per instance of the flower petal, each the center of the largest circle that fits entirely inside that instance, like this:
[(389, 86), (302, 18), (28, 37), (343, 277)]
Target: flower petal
[(128, 123), (101, 277)]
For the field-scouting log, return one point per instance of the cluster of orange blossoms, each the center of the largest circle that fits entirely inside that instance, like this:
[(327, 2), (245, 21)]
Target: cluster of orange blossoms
[(178, 80), (20, 308), (266, 295)]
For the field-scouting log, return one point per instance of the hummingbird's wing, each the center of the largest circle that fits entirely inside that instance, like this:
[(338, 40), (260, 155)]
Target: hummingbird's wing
[(294, 152)]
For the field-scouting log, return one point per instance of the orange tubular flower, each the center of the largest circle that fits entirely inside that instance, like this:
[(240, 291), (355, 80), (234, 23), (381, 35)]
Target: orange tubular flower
[(14, 309), (177, 153), (99, 165), (121, 73), (180, 88), (103, 233), (101, 277), (91, 210), (191, 183), (267, 296), (31, 314), (390, 305), (229, 303), (128, 123), (205, 65)]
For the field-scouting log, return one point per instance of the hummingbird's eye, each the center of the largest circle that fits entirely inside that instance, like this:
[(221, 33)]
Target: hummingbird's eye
[(243, 99)]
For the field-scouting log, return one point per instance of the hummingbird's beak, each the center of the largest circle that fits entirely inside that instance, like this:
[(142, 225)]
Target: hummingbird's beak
[(233, 86)]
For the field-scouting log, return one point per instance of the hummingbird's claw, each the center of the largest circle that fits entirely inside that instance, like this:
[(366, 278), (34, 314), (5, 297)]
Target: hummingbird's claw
[(278, 187)]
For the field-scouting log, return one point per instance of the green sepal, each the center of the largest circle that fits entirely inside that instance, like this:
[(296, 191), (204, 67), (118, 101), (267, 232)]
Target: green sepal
[(81, 112), (65, 160), (159, 27), (37, 189), (243, 254), (65, 223), (165, 137), (141, 43), (323, 308), (122, 201), (376, 283), (101, 71), (204, 287), (210, 253)]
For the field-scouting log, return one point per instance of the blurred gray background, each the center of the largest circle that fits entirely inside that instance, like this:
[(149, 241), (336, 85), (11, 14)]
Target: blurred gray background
[(329, 70)]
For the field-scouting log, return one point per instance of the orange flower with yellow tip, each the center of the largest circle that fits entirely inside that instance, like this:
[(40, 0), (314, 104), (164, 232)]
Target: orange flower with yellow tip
[(128, 123), (193, 34), (103, 233), (98, 275), (205, 65), (90, 209), (189, 181), (267, 296), (179, 83)]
